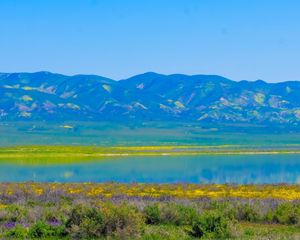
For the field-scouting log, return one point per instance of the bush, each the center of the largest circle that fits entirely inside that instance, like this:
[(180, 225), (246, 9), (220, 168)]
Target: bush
[(249, 232), (18, 232), (248, 213), (211, 224), (226, 208), (16, 213), (52, 214), (42, 230), (286, 213), (152, 214), (123, 221), (85, 222), (177, 214)]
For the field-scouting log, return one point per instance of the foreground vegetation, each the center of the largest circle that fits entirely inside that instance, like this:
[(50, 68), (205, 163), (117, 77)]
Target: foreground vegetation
[(146, 211)]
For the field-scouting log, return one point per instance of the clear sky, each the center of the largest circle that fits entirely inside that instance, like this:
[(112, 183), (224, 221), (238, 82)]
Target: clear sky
[(239, 39)]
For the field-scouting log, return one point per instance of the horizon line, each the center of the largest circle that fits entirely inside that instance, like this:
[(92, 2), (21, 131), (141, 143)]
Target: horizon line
[(149, 72)]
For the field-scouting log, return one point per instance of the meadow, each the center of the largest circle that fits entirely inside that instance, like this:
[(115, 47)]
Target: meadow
[(88, 152), (148, 211), (144, 134)]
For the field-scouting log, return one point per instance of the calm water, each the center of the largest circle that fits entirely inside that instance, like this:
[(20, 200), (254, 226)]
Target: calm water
[(164, 169)]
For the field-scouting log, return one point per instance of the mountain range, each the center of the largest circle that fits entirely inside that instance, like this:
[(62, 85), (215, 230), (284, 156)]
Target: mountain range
[(147, 97)]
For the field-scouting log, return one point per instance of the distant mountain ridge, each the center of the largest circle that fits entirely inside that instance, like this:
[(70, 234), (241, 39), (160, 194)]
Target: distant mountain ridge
[(147, 97)]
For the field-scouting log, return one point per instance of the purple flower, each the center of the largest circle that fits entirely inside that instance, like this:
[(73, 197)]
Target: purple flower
[(25, 225), (10, 225), (54, 223)]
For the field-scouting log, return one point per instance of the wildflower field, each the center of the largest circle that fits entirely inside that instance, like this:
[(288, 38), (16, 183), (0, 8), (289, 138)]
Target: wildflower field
[(148, 211), (154, 191)]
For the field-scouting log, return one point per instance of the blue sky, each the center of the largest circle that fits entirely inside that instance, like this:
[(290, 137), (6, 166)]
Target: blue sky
[(239, 39)]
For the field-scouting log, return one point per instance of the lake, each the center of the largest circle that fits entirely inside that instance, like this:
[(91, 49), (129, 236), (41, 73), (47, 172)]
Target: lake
[(241, 169)]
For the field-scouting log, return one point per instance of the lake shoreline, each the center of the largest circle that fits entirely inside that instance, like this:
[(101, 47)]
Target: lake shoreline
[(106, 152)]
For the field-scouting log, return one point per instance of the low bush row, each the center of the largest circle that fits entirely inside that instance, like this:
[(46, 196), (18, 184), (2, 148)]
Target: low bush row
[(128, 220), (285, 213)]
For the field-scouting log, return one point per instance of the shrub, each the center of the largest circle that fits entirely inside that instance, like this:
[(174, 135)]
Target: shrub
[(16, 213), (52, 214), (226, 208), (286, 213), (42, 230), (178, 214), (152, 214), (249, 232), (39, 230), (247, 212), (3, 215), (123, 221), (211, 224), (18, 232), (85, 222)]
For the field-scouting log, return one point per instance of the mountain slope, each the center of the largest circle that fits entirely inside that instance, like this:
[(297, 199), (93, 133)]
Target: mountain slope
[(149, 96)]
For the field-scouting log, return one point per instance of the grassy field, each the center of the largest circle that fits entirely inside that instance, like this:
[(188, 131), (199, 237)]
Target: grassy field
[(65, 154), (148, 211), (141, 134)]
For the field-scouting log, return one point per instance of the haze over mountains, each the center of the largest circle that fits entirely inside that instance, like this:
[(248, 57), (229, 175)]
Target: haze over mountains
[(147, 97)]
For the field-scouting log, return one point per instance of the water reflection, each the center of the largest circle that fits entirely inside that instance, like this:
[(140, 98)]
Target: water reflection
[(162, 169)]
